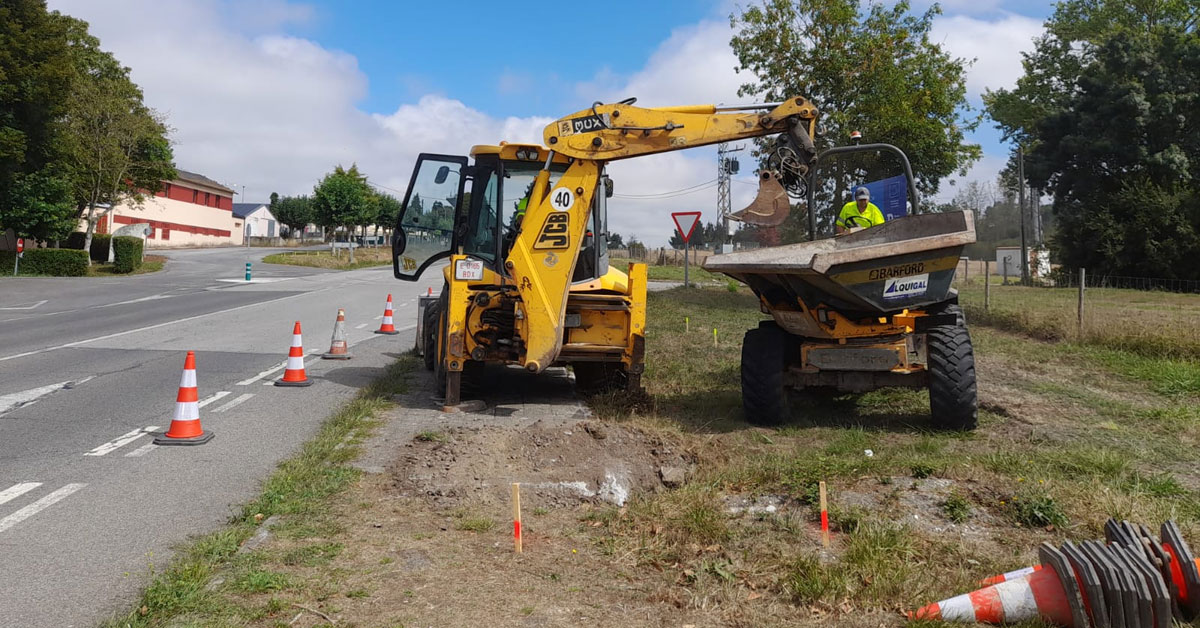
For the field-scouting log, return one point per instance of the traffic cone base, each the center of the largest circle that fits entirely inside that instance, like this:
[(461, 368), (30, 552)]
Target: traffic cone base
[(338, 349), (387, 327), (185, 425), (294, 373)]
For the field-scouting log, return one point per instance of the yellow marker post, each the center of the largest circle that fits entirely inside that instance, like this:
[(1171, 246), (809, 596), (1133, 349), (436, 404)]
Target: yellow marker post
[(687, 324), (714, 336)]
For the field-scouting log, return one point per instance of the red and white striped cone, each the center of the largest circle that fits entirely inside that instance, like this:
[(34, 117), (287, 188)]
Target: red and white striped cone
[(1010, 575), (1040, 594), (338, 349), (387, 327), (294, 374), (185, 426)]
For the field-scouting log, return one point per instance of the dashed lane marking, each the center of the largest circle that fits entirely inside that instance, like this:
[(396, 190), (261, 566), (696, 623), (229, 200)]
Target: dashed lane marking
[(247, 382), (38, 506), (235, 402), (121, 441), (17, 490), (214, 397), (361, 326), (15, 400), (143, 450)]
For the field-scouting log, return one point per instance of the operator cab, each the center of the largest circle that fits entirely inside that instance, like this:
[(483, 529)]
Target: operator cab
[(476, 210), (838, 173)]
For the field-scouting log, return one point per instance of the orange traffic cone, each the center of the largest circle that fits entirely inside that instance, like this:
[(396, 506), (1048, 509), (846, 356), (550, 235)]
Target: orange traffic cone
[(1010, 575), (388, 327), (1039, 594), (338, 349), (294, 374), (430, 293), (185, 426)]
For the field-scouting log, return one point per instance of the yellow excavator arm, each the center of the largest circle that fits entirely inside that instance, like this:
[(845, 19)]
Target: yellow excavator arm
[(556, 219)]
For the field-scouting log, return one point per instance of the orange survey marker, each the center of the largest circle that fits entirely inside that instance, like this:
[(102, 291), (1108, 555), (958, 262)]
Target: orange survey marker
[(294, 374), (338, 349), (185, 426), (387, 327)]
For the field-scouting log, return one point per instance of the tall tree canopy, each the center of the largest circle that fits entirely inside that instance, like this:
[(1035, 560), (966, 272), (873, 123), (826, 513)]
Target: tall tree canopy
[(1107, 111), (294, 211), (343, 199), (35, 86), (877, 72)]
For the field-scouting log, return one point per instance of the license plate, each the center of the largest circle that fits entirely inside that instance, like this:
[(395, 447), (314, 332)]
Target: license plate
[(468, 270)]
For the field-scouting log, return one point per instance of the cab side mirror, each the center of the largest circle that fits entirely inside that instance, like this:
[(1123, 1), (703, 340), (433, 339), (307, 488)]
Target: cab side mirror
[(441, 175), (608, 187)]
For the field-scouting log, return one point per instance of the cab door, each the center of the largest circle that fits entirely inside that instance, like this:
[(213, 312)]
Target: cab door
[(425, 226)]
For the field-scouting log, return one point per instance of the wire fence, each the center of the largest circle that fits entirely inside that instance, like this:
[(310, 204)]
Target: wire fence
[(1063, 278), (661, 256)]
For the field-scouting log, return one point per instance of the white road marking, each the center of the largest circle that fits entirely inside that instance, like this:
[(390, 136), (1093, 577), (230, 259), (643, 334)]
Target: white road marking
[(214, 397), (17, 490), (33, 305), (247, 382), (236, 402), (143, 450), (361, 326), (378, 317), (121, 441), (79, 343), (25, 397), (38, 506), (374, 336)]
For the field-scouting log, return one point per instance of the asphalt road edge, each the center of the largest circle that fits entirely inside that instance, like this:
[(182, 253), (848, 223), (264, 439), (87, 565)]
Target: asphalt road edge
[(301, 489)]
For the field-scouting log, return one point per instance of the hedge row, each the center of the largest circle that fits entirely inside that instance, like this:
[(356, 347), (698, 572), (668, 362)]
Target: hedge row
[(127, 254), (99, 250), (55, 262)]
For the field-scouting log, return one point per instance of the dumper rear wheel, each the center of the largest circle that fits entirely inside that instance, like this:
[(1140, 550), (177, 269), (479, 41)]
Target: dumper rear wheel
[(953, 401), (764, 360)]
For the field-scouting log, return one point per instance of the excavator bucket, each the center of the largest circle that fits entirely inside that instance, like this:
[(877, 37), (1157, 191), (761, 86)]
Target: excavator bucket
[(770, 208)]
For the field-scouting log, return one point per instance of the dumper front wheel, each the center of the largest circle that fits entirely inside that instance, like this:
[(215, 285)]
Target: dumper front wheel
[(953, 401), (764, 360)]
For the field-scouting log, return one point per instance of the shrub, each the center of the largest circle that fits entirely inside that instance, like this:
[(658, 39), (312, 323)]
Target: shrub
[(56, 262), (75, 241), (127, 254), (99, 248)]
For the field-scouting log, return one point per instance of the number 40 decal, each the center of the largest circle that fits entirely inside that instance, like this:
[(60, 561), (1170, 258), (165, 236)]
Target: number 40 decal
[(562, 199)]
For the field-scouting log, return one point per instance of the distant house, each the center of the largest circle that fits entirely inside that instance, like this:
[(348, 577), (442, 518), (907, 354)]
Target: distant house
[(190, 210), (260, 223)]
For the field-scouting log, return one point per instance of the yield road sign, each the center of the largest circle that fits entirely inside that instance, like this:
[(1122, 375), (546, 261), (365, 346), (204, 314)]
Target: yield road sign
[(686, 223)]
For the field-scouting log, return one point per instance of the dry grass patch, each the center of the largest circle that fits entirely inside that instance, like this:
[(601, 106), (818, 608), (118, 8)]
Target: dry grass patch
[(363, 258)]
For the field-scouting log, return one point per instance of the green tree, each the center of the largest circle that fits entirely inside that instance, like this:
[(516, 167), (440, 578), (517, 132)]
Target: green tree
[(116, 148), (615, 241), (343, 199), (877, 72), (35, 83), (1123, 159), (388, 209), (294, 211)]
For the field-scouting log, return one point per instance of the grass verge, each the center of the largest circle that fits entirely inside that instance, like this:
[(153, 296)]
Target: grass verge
[(152, 264), (363, 258), (299, 491)]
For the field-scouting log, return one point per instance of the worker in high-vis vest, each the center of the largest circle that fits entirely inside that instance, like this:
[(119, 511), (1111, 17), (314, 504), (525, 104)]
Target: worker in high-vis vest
[(860, 212)]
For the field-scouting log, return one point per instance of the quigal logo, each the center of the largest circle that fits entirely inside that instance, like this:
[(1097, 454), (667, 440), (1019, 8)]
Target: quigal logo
[(905, 287)]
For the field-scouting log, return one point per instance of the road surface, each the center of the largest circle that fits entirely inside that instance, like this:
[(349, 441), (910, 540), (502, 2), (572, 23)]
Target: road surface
[(89, 507)]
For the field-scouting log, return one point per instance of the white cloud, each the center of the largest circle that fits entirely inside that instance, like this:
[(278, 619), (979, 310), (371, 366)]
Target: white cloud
[(996, 46)]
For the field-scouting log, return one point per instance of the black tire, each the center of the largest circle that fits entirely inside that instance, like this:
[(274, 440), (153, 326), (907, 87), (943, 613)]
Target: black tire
[(594, 378), (764, 361), (953, 399), (429, 328)]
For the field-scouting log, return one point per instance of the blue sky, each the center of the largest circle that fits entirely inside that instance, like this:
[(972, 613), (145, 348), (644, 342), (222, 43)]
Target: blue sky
[(271, 94)]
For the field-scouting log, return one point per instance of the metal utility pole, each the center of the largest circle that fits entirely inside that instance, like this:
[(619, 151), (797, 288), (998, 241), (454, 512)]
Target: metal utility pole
[(726, 166), (1021, 206)]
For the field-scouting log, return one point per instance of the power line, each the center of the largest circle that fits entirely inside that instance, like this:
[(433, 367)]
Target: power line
[(699, 187)]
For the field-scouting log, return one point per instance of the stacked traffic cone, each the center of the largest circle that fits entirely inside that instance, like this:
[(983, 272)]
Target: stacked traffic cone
[(294, 374), (388, 327), (1010, 575), (1040, 593), (1132, 579), (185, 426), (338, 349)]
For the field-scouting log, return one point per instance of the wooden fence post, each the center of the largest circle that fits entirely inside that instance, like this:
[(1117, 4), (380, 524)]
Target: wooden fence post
[(1082, 277), (987, 284)]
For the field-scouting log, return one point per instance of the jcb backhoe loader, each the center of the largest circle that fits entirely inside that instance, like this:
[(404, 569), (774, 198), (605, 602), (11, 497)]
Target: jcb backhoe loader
[(524, 230)]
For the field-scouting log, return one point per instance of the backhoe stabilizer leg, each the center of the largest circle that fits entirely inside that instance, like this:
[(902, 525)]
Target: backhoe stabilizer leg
[(453, 390)]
